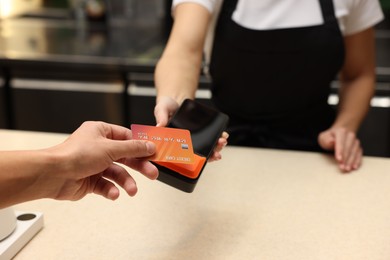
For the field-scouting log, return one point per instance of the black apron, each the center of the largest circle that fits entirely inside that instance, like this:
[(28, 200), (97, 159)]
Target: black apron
[(274, 84)]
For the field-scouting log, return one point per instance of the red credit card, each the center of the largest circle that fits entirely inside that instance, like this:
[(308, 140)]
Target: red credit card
[(172, 144)]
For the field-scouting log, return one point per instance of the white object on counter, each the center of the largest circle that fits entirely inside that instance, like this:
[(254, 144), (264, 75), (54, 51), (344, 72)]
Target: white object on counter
[(16, 230), (7, 222)]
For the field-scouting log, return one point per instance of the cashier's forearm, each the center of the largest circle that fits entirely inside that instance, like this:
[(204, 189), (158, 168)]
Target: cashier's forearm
[(24, 176), (177, 78), (177, 72), (355, 97), (358, 79)]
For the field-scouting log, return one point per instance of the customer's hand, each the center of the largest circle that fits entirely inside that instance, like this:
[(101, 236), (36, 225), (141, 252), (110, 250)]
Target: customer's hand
[(84, 163), (347, 149)]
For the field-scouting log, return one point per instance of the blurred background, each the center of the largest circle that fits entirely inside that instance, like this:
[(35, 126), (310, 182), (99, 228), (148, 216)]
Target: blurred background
[(66, 61)]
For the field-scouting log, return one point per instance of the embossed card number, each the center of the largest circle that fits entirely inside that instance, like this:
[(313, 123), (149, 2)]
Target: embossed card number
[(173, 144)]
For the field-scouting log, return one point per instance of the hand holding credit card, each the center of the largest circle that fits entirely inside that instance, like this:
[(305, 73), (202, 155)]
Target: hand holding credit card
[(172, 144)]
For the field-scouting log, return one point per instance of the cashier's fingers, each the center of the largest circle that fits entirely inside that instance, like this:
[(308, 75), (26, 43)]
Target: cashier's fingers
[(216, 156), (222, 142), (355, 158), (347, 149), (334, 139), (164, 109), (326, 140), (353, 154), (161, 116), (342, 144)]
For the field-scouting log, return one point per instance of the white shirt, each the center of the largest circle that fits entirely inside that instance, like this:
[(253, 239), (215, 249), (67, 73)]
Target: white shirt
[(353, 15)]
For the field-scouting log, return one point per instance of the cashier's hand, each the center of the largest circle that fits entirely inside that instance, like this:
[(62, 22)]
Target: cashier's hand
[(86, 162), (347, 149), (167, 106), (164, 110)]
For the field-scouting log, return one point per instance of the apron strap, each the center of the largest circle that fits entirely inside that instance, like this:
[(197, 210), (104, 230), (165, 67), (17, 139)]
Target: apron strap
[(327, 10)]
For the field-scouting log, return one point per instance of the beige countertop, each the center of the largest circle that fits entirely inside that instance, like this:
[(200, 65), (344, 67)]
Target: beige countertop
[(254, 204)]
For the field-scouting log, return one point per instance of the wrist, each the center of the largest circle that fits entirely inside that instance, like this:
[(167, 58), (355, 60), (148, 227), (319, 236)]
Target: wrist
[(54, 166), (349, 126), (176, 98)]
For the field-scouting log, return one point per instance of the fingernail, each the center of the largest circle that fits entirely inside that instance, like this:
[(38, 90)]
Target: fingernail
[(150, 147)]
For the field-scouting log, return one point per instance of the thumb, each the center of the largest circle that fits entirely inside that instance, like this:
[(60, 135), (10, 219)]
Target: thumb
[(131, 149), (326, 140), (165, 107), (161, 117)]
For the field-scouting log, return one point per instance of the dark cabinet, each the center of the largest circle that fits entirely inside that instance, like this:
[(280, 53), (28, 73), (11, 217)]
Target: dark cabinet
[(3, 113), (375, 132), (61, 106)]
